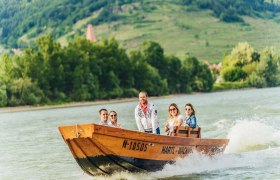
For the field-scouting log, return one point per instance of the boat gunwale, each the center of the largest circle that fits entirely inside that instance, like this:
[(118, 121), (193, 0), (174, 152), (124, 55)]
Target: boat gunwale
[(146, 137)]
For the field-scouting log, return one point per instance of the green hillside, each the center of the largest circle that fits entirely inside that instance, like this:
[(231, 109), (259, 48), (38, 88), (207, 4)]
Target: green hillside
[(205, 29)]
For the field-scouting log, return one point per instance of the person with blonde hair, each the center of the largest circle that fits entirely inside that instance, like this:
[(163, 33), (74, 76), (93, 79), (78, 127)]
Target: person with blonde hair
[(175, 119), (114, 119)]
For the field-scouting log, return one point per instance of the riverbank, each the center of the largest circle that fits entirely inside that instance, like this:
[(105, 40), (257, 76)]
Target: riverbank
[(218, 88), (63, 105), (75, 104)]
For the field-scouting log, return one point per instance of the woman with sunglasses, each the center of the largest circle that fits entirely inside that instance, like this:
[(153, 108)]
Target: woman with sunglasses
[(175, 119), (114, 119), (190, 115)]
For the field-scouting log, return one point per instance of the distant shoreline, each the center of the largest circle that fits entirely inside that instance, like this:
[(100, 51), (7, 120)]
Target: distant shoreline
[(97, 102), (63, 105), (76, 104)]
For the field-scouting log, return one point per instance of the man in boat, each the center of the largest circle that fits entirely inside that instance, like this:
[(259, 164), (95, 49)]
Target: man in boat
[(146, 115), (103, 117)]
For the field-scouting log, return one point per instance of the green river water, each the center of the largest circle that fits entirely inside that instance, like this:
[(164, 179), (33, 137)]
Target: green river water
[(32, 148)]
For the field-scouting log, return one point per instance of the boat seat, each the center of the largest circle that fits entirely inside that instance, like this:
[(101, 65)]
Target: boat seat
[(186, 131)]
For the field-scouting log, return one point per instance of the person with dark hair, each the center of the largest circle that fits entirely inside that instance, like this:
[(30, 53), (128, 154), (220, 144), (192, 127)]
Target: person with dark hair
[(190, 119), (114, 119), (103, 117), (146, 115)]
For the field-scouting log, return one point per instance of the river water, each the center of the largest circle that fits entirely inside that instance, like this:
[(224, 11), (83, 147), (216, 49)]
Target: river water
[(32, 148)]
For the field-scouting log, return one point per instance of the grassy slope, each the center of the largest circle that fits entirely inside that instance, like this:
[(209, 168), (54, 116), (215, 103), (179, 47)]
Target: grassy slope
[(181, 31)]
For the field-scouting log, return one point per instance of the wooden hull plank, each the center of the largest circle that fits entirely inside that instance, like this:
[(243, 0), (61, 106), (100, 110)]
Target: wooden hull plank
[(106, 165)]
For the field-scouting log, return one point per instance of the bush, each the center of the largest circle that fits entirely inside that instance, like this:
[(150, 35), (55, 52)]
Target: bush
[(230, 17), (31, 99), (233, 74), (115, 93), (131, 92), (250, 68), (230, 85), (3, 96), (81, 94), (25, 92), (256, 81)]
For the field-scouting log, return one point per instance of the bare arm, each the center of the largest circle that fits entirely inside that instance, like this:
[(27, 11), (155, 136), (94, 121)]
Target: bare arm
[(166, 128), (180, 120)]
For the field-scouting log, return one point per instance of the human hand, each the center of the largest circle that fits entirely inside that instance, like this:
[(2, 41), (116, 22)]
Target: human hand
[(166, 127)]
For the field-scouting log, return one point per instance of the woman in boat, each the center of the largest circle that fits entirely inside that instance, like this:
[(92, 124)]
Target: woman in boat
[(114, 119), (190, 119), (175, 119)]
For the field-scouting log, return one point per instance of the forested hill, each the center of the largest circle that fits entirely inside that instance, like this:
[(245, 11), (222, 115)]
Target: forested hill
[(207, 28)]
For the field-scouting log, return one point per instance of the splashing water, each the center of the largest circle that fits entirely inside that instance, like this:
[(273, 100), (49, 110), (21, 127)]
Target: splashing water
[(192, 164), (248, 135), (197, 163), (123, 175)]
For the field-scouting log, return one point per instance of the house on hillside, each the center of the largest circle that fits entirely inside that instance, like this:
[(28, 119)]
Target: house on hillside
[(90, 34)]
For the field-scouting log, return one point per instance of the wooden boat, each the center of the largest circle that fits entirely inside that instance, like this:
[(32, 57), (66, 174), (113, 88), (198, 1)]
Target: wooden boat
[(104, 150)]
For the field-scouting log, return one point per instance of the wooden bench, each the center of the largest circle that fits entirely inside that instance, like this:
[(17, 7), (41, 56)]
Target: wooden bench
[(186, 131)]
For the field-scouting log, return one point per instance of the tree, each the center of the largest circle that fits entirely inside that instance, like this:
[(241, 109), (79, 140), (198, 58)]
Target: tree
[(240, 63), (201, 76), (153, 54), (7, 69), (52, 57), (3, 95), (113, 57), (242, 54), (205, 79), (147, 78), (174, 73), (24, 92), (233, 74), (256, 81), (268, 67), (178, 76), (80, 71)]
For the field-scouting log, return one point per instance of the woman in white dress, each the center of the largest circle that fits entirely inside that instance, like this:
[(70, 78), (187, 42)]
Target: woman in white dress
[(175, 119)]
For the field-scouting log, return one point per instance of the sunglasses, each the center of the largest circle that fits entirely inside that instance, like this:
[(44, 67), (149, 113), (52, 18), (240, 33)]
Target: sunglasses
[(113, 115), (173, 109)]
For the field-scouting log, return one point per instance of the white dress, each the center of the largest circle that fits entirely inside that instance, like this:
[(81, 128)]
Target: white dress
[(171, 125)]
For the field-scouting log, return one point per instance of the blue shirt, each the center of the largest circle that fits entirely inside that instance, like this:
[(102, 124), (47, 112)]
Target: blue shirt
[(191, 121)]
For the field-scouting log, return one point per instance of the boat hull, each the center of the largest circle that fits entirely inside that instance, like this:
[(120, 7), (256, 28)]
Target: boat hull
[(105, 150), (110, 163)]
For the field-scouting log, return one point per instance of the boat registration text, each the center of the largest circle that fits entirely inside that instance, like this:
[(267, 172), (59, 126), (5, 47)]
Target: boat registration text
[(143, 146)]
